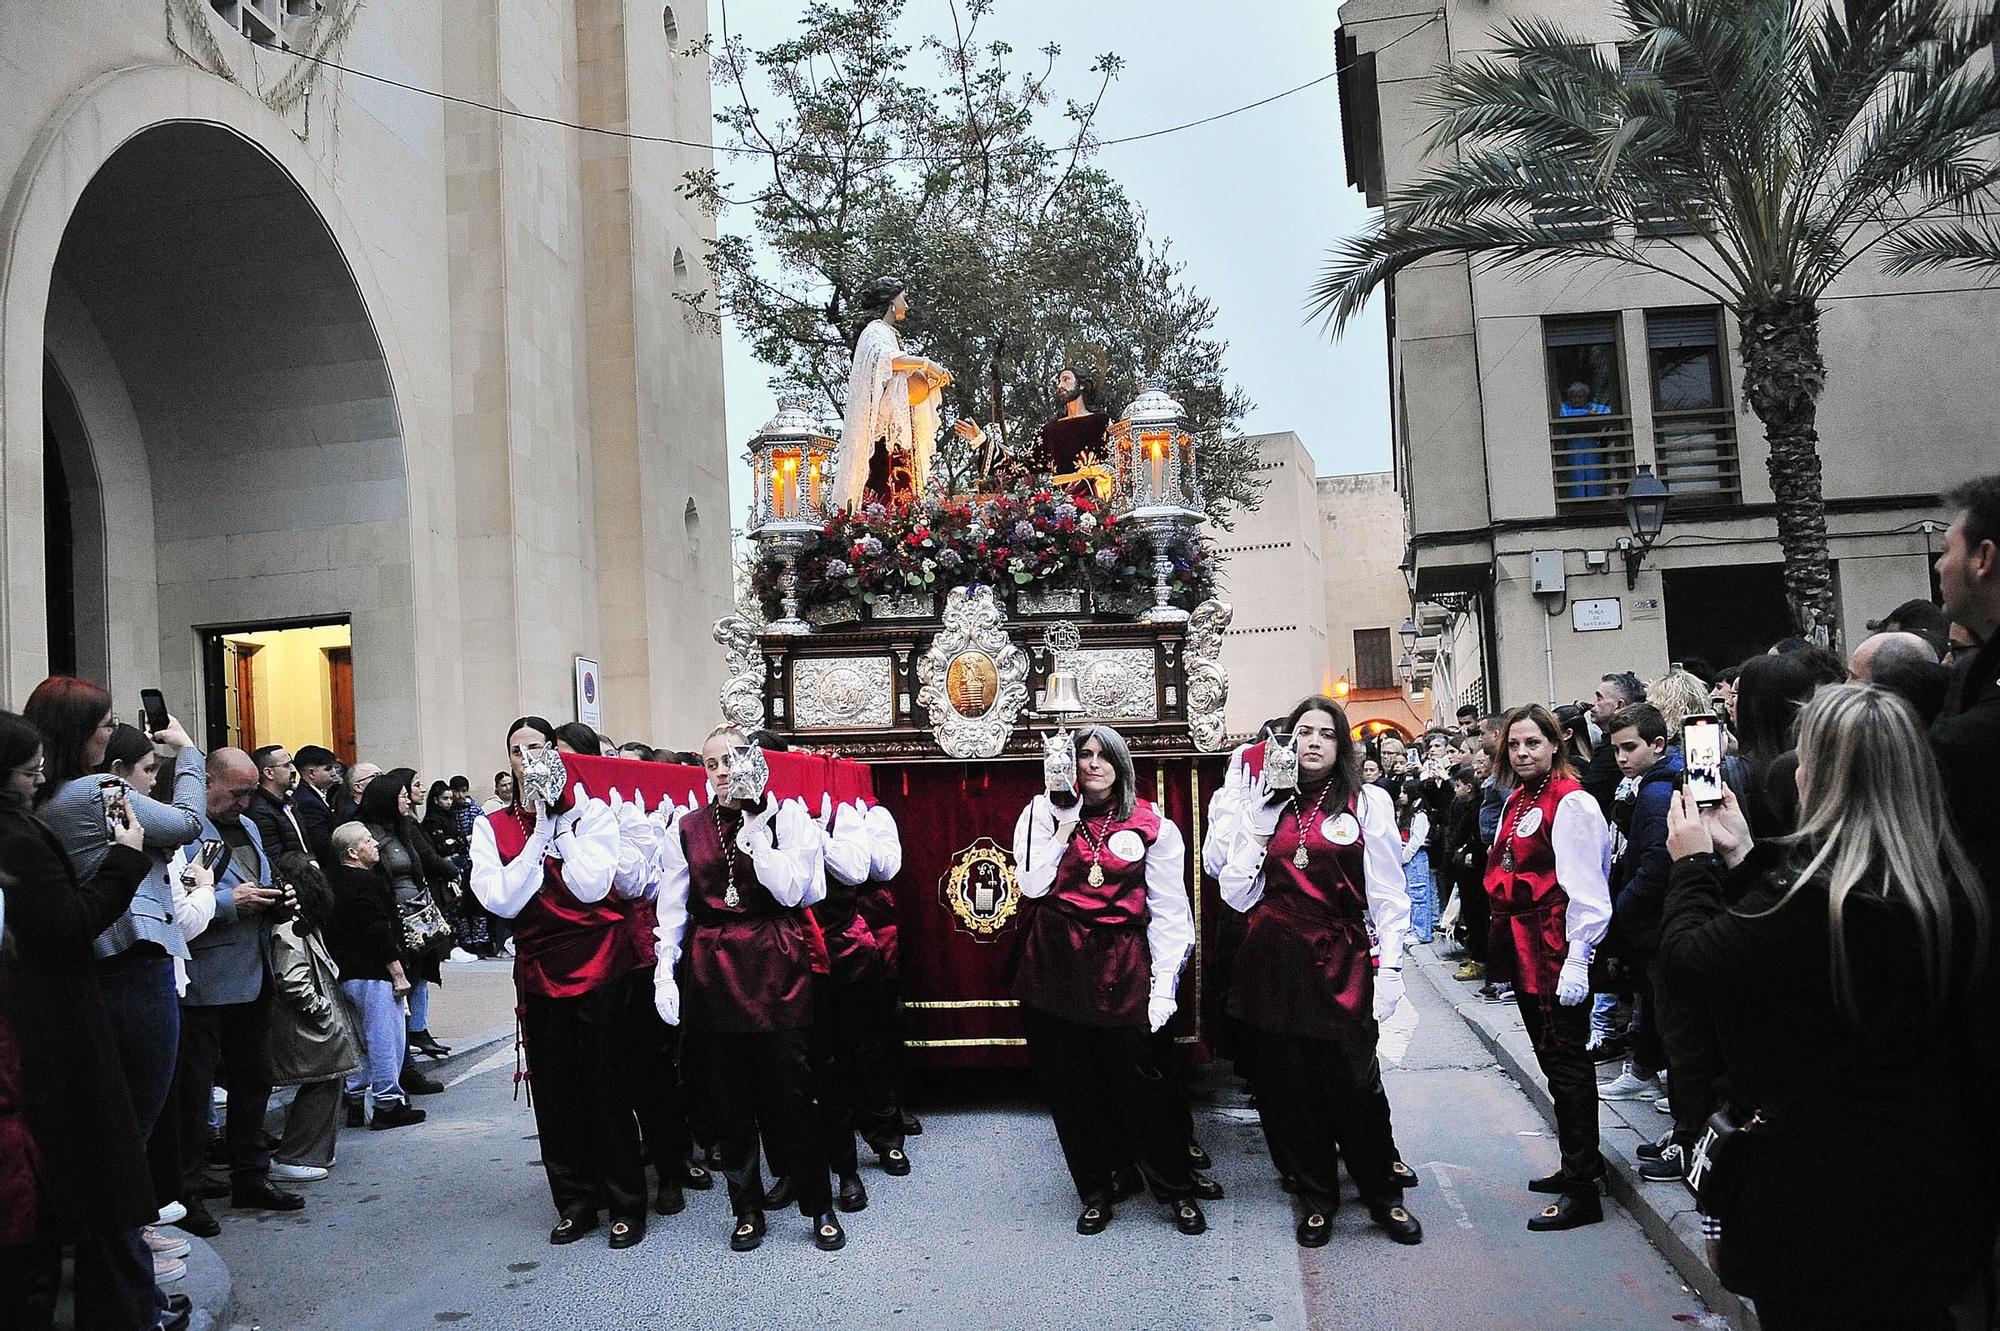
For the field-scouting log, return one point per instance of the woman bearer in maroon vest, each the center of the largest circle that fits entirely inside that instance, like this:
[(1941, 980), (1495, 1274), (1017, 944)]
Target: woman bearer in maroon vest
[(733, 936), (1106, 936), (1313, 869), (579, 973), (1546, 880)]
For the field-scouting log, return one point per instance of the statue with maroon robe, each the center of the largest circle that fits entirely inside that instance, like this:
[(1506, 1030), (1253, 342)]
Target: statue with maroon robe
[(1069, 452)]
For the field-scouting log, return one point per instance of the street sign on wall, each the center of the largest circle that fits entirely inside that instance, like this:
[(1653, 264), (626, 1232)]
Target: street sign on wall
[(1594, 616)]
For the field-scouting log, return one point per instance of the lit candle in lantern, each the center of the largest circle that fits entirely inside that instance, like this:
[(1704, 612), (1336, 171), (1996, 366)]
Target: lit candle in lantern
[(784, 502), (812, 486), (1156, 465)]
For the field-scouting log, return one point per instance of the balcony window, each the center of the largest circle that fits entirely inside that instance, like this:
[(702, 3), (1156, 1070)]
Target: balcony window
[(1374, 665), (1590, 429), (1694, 425)]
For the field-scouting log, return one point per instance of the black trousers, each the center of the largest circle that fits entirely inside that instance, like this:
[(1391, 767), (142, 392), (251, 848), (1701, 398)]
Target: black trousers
[(1694, 1057), (657, 1091), (238, 1036), (866, 1028), (1112, 1106), (1648, 1051), (113, 1287), (762, 1081), (1322, 1100), (1474, 911), (579, 1062), (1782, 1317), (830, 1101), (1164, 1061), (1559, 1034)]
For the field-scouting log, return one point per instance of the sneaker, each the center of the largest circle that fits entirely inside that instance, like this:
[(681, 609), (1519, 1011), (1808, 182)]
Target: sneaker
[(1662, 1105), (1670, 1167), (290, 1173), (508, 947), (1497, 993), (166, 1270), (171, 1213), (1652, 1149), (1629, 1086), (163, 1244), (1608, 1050), (460, 954), (1469, 970)]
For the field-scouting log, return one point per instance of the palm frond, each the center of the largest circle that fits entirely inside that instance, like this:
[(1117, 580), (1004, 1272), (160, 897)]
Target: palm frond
[(1924, 249)]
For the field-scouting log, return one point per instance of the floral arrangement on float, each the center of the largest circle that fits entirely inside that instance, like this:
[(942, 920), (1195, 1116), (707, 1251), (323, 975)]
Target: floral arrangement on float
[(1024, 541)]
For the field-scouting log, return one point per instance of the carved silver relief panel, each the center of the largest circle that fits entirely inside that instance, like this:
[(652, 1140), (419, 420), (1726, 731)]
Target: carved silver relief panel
[(841, 692), (1207, 680), (1118, 683)]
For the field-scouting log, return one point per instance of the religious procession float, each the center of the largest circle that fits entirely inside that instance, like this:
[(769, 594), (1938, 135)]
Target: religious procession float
[(947, 633)]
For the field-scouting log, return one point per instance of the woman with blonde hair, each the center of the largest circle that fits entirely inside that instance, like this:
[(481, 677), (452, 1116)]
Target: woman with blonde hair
[(1839, 984), (1678, 695)]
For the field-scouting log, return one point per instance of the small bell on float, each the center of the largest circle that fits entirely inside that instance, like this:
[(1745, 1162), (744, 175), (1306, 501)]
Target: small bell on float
[(1061, 698)]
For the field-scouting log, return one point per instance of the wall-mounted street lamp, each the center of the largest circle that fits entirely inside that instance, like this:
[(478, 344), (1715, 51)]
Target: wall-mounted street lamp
[(1645, 514), (1408, 633)]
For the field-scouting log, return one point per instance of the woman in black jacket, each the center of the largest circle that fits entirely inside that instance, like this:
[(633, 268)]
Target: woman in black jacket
[(1842, 984), (96, 1188), (418, 874)]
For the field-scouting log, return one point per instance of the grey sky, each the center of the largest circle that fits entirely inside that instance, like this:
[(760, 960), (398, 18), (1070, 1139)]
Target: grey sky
[(1249, 203)]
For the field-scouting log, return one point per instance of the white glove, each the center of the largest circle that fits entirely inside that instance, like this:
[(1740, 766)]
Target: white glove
[(756, 833), (1159, 1009), (826, 811), (667, 996), (1388, 992), (1238, 776), (1261, 815), (627, 815), (1573, 985), (1053, 822)]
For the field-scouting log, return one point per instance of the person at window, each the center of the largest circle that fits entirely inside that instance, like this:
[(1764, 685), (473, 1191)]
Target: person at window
[(1848, 982), (578, 971), (1589, 474), (737, 878), (1315, 870), (95, 1188), (1550, 903), (1107, 931)]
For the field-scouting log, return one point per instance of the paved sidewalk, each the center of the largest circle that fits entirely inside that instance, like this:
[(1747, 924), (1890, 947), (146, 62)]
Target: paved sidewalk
[(1665, 1211)]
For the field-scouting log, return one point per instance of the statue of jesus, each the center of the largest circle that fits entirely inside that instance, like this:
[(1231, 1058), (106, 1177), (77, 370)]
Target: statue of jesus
[(889, 428), (1070, 451)]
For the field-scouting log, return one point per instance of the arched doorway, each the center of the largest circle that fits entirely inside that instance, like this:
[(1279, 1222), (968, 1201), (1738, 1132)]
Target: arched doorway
[(215, 371)]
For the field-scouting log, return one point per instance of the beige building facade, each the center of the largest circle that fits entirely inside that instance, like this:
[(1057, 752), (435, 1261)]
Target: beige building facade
[(1523, 406), (283, 346), (1313, 577)]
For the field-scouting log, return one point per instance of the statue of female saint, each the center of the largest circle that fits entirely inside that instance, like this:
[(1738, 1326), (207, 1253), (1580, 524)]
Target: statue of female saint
[(889, 429)]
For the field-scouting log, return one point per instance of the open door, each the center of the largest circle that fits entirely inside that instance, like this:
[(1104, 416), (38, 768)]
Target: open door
[(286, 684)]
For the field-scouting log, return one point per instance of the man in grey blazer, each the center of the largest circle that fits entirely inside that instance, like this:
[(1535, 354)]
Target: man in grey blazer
[(226, 1013)]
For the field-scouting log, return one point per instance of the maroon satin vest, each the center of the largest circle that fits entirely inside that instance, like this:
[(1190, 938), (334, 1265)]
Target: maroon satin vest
[(1304, 967), (1526, 938), (1084, 955), (564, 948), (746, 967)]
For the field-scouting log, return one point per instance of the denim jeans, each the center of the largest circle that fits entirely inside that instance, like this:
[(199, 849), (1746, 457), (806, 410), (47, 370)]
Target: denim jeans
[(144, 1009), (1423, 900), (383, 1040), (420, 1005), (1603, 1024)]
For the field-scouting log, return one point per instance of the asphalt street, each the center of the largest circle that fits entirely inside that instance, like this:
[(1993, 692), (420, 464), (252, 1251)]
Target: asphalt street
[(445, 1224)]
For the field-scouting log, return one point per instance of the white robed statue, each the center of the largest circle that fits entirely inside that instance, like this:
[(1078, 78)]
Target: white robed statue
[(889, 429)]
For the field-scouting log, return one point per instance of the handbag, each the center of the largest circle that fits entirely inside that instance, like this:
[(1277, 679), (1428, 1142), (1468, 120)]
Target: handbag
[(1716, 1169), (424, 924)]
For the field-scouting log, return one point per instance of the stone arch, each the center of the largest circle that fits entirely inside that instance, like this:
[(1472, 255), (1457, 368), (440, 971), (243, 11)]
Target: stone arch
[(194, 284)]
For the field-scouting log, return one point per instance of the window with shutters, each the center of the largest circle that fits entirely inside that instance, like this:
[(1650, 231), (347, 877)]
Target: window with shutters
[(1374, 668), (1694, 423), (1590, 425)]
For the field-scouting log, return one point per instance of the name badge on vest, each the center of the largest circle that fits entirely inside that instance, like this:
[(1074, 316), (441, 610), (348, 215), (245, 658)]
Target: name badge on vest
[(1530, 823), (1342, 829), (1128, 846)]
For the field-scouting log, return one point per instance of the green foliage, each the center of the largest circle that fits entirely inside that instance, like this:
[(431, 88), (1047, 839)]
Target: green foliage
[(1020, 257), (1753, 149)]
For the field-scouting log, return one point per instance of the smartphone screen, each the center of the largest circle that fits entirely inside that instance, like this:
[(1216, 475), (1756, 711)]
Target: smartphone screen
[(212, 853), (1701, 747), (154, 704)]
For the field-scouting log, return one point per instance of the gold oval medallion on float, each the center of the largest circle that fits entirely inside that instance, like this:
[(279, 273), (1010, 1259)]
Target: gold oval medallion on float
[(981, 890), (972, 683)]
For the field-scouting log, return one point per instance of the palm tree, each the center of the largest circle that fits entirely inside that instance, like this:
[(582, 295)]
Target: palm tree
[(1776, 141)]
